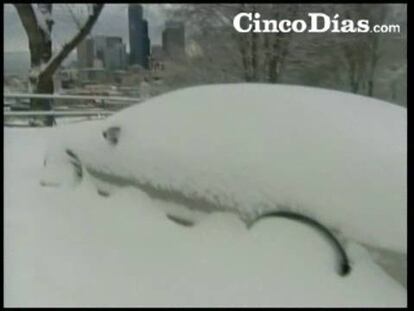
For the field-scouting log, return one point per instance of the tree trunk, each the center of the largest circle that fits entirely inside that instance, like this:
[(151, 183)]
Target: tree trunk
[(373, 65), (244, 45), (355, 87), (371, 88), (41, 52), (273, 63), (254, 56), (44, 86), (40, 46)]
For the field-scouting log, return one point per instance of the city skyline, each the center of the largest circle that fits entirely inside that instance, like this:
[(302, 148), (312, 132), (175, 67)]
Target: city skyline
[(92, 61), (109, 52)]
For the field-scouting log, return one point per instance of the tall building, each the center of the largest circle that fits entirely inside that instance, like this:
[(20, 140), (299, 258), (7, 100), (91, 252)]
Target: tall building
[(139, 41), (173, 39)]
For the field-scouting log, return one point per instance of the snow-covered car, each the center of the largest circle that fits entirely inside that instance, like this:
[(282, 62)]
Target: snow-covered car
[(252, 149)]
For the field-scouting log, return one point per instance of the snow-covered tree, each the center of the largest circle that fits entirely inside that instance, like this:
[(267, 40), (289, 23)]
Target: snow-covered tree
[(37, 20)]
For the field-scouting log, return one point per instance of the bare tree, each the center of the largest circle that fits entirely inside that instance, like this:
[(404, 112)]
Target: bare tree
[(362, 52), (38, 23), (260, 56), (374, 49), (278, 45), (361, 63)]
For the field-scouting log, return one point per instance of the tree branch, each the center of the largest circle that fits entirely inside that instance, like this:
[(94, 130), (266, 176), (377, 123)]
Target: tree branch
[(73, 16), (56, 60)]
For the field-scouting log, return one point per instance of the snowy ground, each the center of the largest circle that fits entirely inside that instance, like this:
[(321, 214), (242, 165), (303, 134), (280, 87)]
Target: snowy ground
[(75, 248)]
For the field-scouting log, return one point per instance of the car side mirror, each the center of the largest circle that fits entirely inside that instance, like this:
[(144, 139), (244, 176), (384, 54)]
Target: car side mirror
[(112, 134)]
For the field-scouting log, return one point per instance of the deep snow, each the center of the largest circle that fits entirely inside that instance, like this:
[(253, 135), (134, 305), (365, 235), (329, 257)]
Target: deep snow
[(71, 247), (75, 248)]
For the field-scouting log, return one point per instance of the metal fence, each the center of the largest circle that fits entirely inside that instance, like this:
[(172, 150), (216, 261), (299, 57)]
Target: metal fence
[(17, 110)]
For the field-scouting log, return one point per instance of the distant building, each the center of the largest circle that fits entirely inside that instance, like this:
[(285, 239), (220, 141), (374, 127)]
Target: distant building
[(86, 53), (117, 59), (65, 78), (139, 41), (100, 47), (173, 40), (111, 52), (157, 52), (102, 52), (157, 58), (89, 75)]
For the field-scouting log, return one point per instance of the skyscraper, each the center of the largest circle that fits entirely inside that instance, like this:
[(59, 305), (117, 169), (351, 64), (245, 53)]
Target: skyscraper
[(139, 42), (173, 39)]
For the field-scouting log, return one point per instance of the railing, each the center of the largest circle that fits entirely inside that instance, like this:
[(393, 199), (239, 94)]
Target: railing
[(57, 113), (102, 106), (121, 99)]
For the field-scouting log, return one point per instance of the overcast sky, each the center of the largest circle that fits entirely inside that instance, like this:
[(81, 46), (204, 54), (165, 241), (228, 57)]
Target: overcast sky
[(113, 21)]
